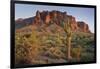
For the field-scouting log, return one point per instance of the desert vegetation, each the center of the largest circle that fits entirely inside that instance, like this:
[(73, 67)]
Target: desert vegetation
[(52, 43), (32, 48)]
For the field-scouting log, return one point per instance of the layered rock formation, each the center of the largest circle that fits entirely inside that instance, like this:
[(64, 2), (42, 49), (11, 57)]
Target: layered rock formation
[(57, 17), (82, 26)]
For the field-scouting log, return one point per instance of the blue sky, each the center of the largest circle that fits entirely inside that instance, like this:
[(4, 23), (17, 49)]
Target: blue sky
[(81, 14)]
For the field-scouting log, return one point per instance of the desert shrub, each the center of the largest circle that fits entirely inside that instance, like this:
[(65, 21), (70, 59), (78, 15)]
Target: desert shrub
[(54, 52), (76, 52), (86, 56), (26, 49), (52, 40)]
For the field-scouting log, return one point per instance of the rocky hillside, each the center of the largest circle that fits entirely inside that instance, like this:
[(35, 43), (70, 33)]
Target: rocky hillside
[(46, 18), (42, 39)]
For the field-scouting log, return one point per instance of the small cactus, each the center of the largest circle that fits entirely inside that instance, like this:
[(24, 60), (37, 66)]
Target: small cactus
[(79, 53), (76, 52)]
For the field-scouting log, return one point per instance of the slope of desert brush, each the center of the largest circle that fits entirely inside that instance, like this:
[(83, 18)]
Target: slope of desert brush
[(53, 41)]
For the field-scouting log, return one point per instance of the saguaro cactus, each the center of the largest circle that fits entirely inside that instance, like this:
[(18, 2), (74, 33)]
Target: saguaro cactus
[(67, 29)]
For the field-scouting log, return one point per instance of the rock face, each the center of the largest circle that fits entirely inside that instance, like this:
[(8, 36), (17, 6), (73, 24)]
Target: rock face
[(82, 26), (74, 25), (57, 17)]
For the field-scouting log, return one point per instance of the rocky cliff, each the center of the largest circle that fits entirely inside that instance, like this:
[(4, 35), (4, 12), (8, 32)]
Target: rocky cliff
[(58, 18)]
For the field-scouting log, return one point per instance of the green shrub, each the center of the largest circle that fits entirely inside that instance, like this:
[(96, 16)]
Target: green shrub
[(26, 48)]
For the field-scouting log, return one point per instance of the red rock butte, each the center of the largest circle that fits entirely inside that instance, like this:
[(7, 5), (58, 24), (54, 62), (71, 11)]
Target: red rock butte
[(57, 17)]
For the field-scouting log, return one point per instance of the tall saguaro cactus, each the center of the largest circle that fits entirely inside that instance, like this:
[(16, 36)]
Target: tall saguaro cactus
[(67, 29)]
